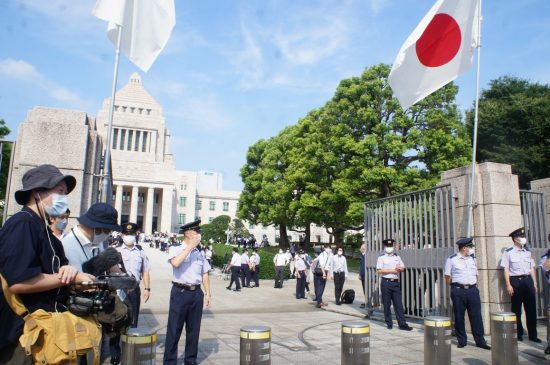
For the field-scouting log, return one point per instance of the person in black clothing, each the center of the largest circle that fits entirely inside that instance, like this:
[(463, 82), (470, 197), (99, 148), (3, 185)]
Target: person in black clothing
[(33, 262)]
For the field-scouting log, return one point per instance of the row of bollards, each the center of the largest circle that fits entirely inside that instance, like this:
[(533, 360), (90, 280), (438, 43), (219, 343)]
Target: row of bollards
[(256, 342)]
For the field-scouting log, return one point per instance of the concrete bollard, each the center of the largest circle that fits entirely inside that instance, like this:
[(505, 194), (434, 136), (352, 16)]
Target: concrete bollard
[(437, 340), (255, 345), (138, 346), (355, 343), (504, 339)]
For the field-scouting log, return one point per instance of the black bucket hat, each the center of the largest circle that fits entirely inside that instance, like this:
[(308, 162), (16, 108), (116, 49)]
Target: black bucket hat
[(100, 215), (42, 177)]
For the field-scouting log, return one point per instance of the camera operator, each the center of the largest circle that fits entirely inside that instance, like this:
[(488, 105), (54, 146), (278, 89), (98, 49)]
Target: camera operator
[(87, 239), (33, 262), (137, 264)]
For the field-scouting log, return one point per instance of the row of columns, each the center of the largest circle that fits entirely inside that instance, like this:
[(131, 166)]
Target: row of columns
[(163, 211)]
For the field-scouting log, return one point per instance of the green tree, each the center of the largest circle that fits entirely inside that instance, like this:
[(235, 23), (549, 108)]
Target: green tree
[(4, 170), (237, 229), (514, 127), (216, 230)]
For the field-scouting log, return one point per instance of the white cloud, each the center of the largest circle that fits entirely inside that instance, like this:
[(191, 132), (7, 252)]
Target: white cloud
[(24, 71)]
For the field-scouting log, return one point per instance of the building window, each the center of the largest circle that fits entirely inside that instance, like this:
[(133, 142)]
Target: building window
[(124, 109), (115, 137), (122, 138), (141, 197), (116, 108), (156, 198), (148, 111), (225, 206), (126, 196), (210, 219), (198, 205), (144, 143), (212, 205), (183, 201), (181, 218), (132, 109), (237, 205), (136, 143), (129, 144)]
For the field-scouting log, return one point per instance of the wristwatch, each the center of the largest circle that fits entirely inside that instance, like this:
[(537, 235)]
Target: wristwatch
[(148, 289)]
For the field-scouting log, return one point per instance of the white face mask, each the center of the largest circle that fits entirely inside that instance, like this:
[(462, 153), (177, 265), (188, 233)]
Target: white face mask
[(199, 237), (340, 253), (522, 241), (471, 251), (99, 238), (328, 250), (280, 251), (129, 240), (388, 249)]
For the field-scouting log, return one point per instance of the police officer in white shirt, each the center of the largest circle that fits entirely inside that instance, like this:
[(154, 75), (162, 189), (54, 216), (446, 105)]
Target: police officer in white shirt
[(245, 269), (461, 275), (521, 284), (338, 273), (320, 281), (280, 261), (255, 267), (301, 274), (545, 266), (235, 268), (389, 266)]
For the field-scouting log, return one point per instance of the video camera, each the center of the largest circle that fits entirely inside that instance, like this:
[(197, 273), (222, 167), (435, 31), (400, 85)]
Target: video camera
[(100, 296)]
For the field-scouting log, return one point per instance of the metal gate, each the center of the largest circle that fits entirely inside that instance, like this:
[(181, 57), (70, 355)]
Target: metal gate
[(423, 224), (534, 221)]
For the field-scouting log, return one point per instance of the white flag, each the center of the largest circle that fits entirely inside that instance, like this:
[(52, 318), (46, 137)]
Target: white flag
[(146, 26), (438, 50)]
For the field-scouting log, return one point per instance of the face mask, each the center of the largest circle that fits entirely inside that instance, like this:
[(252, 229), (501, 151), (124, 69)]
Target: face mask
[(340, 253), (522, 241), (199, 237), (388, 249), (129, 240), (59, 206), (61, 224), (280, 251), (328, 250), (302, 256), (471, 251), (99, 238)]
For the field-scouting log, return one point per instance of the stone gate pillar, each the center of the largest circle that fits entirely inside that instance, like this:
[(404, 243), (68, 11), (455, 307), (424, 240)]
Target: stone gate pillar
[(497, 212)]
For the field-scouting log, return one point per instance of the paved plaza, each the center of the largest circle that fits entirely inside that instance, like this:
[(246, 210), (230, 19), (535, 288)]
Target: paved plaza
[(301, 333)]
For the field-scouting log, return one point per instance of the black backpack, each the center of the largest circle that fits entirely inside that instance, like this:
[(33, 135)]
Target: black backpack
[(348, 296)]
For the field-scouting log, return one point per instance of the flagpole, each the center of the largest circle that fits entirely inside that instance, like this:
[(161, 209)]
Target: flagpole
[(107, 188), (469, 232)]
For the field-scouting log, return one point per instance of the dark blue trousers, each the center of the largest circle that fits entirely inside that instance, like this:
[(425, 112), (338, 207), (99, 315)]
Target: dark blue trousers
[(134, 298), (319, 284), (235, 277), (525, 293), (245, 275), (185, 309), (279, 273), (301, 285), (256, 276), (391, 293), (467, 300)]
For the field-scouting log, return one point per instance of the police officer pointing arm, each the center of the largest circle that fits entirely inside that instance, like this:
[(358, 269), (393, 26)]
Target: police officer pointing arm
[(190, 269)]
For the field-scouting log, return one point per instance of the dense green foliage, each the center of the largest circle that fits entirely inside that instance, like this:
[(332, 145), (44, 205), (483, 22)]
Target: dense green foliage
[(514, 127), (4, 170), (215, 231), (359, 146)]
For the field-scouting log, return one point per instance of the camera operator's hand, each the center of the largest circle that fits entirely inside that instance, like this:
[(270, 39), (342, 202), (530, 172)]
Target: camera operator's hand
[(82, 276), (67, 274)]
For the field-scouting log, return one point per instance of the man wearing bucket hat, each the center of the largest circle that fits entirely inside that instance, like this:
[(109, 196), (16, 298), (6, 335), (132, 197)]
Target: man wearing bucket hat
[(87, 239), (190, 270), (33, 262), (521, 283), (461, 275)]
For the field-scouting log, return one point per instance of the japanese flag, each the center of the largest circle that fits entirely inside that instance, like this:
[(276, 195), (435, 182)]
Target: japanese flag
[(438, 50), (146, 26)]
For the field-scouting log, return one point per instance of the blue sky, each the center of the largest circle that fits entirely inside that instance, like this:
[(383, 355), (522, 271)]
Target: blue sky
[(237, 71)]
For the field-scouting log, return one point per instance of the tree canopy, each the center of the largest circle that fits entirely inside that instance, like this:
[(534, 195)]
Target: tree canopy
[(215, 230), (514, 127), (359, 146)]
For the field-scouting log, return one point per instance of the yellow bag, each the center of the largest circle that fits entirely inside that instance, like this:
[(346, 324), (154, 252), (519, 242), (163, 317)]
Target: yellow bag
[(55, 338)]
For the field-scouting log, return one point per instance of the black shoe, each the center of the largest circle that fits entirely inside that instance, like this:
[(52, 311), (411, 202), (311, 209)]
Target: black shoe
[(460, 345), (115, 360), (405, 328), (236, 289), (520, 338), (362, 305), (389, 326), (318, 305), (535, 339), (547, 351), (484, 346), (228, 287)]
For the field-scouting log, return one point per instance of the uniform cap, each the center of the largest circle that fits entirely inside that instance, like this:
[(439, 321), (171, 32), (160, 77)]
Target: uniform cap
[(195, 226), (466, 241), (42, 177), (129, 228), (520, 232), (388, 242)]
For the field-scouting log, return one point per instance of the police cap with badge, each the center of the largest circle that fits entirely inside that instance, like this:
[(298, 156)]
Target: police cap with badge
[(129, 228), (388, 242), (520, 232), (193, 226), (466, 241)]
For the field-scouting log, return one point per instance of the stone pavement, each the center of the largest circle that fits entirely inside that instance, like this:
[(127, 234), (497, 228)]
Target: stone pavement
[(301, 333)]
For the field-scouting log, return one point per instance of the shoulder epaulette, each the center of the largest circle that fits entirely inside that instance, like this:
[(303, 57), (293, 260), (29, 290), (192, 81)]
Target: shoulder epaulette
[(395, 254), (382, 255), (453, 255), (509, 249), (139, 247), (526, 248)]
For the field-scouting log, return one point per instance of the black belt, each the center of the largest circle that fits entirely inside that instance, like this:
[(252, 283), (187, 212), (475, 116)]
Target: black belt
[(386, 279), (520, 277), (464, 286), (186, 286)]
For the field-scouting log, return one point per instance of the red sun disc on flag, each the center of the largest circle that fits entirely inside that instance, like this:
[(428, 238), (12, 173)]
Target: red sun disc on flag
[(440, 41)]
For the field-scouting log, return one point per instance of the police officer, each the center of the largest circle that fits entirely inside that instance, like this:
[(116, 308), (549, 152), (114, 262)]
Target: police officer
[(545, 266), (255, 267), (136, 264), (521, 285), (235, 266), (301, 274), (190, 269), (461, 275), (389, 266)]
